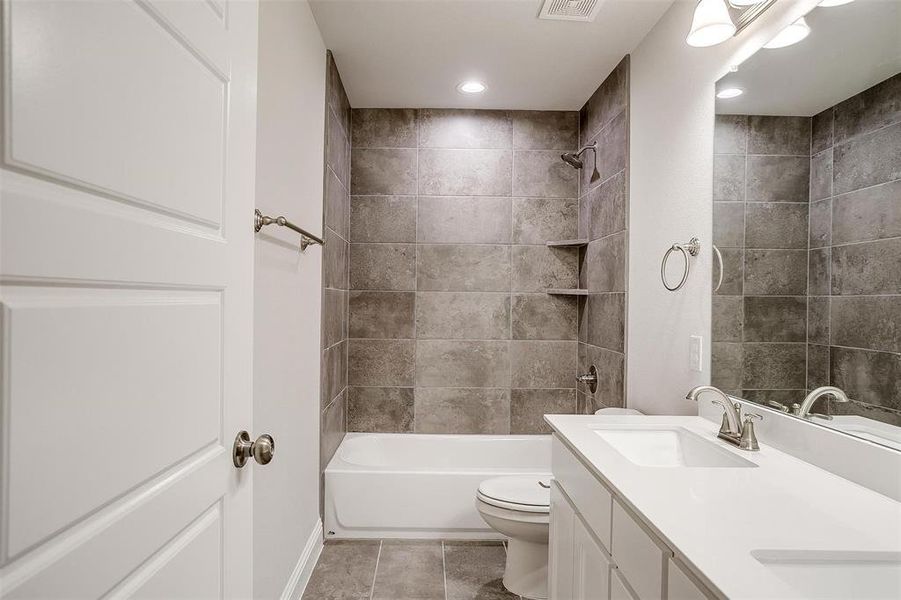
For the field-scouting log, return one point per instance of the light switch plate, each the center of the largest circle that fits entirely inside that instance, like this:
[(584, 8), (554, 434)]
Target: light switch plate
[(695, 353)]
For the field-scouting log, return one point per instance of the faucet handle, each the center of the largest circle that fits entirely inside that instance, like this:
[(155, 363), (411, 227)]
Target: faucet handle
[(748, 437)]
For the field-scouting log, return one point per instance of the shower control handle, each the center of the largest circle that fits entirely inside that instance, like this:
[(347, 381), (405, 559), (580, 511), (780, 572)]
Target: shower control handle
[(590, 379), (262, 450)]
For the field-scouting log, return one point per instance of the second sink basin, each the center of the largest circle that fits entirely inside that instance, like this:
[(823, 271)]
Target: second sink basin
[(668, 447)]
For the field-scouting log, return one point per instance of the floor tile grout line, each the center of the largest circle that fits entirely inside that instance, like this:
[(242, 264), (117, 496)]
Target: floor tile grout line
[(376, 571)]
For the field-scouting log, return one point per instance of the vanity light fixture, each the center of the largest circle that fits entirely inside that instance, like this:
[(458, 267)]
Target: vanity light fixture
[(792, 34), (727, 93), (831, 3), (471, 87), (743, 3), (711, 24)]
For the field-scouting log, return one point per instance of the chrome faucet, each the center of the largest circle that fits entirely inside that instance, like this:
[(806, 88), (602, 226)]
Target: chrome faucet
[(732, 429), (803, 410)]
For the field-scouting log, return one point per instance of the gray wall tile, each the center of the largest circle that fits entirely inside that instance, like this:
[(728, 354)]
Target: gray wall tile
[(819, 272), (727, 318), (821, 131), (545, 130), (380, 409), (820, 224), (383, 171), (462, 219), (867, 376), (611, 153), (607, 264), (728, 224), (868, 160), (537, 268), (779, 135), (607, 321), (544, 317), (821, 175), (729, 178), (776, 225), (450, 172), (870, 110), (335, 257), (872, 322), (336, 205), (461, 128), (332, 427), (817, 368), (334, 317), (539, 220), (543, 364), (778, 179), (868, 268), (462, 315), (607, 204), (382, 219), (334, 372), (336, 149), (775, 319), (730, 134), (775, 272), (774, 366), (380, 362), (543, 174), (462, 410), (383, 128), (528, 407), (463, 268), (381, 314), (733, 272), (818, 319), (609, 100), (726, 365), (382, 266), (611, 375), (335, 94), (869, 214), (442, 363)]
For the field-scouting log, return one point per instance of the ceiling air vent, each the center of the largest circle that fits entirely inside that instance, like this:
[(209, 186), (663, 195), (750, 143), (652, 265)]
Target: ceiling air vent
[(570, 10)]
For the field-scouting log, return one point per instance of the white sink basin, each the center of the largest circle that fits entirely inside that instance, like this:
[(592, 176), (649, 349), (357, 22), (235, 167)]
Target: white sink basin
[(668, 447), (836, 574)]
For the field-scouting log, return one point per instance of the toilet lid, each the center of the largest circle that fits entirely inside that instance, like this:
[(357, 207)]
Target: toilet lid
[(520, 492)]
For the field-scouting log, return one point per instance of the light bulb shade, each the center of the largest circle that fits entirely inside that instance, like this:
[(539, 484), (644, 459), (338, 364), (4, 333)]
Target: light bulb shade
[(745, 2), (711, 24), (830, 3), (792, 34)]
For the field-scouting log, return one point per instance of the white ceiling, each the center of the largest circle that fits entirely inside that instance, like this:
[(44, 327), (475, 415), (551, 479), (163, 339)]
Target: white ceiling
[(413, 53), (850, 48)]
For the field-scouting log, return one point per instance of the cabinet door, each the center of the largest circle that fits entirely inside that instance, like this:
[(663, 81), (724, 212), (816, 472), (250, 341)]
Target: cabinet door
[(591, 579), (560, 566)]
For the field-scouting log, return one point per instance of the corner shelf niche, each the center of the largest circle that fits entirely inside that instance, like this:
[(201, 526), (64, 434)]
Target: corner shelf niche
[(566, 292), (567, 243), (575, 243)]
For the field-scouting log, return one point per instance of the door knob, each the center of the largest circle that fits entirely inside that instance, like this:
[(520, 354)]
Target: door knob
[(262, 450)]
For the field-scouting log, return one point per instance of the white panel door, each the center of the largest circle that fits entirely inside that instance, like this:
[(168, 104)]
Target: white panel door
[(126, 277), (591, 577), (561, 545)]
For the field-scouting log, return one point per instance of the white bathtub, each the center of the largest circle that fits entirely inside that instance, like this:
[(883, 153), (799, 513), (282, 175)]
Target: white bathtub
[(401, 485)]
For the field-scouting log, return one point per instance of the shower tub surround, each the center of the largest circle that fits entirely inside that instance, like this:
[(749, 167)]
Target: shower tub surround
[(450, 328)]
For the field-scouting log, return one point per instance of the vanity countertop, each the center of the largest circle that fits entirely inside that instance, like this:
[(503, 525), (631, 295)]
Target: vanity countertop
[(713, 518)]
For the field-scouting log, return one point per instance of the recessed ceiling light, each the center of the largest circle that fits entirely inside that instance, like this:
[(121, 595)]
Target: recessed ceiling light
[(830, 3), (792, 34), (471, 87), (727, 93)]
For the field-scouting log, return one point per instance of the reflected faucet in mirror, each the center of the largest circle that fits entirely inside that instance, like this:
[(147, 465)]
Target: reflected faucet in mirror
[(803, 410)]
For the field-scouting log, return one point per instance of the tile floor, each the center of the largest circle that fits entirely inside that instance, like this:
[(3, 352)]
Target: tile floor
[(409, 570)]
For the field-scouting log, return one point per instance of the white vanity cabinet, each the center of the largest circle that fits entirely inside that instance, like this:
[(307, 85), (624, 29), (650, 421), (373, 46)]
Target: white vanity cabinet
[(599, 550)]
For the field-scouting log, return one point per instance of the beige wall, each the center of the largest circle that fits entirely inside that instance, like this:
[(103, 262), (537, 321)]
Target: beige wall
[(670, 181), (290, 131)]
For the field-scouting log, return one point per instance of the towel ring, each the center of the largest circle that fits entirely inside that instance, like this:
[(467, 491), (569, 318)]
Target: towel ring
[(692, 248)]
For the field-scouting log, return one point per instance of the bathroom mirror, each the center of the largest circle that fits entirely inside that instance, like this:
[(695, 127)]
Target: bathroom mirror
[(807, 222)]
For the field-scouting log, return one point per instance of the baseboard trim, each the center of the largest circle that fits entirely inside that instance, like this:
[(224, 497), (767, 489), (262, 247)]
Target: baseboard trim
[(300, 576)]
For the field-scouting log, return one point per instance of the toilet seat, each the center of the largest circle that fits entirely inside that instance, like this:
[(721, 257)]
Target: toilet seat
[(519, 492)]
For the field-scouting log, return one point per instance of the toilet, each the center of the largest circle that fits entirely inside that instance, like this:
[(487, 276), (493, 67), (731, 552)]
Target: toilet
[(519, 507)]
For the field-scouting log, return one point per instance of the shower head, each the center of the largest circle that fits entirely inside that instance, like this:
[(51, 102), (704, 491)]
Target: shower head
[(573, 158)]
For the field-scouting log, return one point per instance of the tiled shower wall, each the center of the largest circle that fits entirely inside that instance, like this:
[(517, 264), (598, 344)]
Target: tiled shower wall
[(603, 210), (450, 330), (820, 303), (336, 223), (760, 192), (855, 252)]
